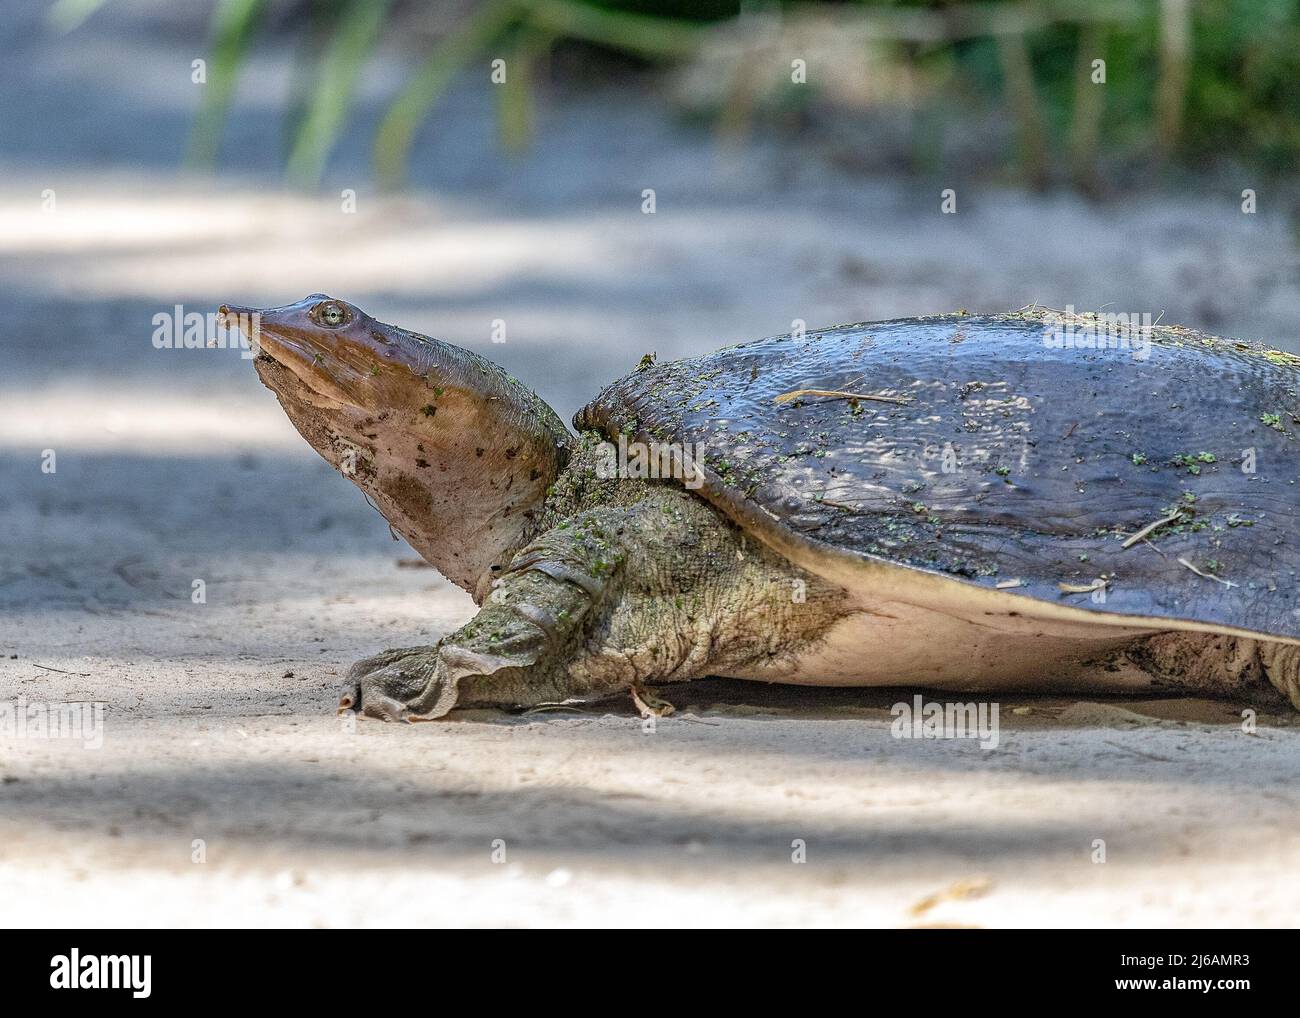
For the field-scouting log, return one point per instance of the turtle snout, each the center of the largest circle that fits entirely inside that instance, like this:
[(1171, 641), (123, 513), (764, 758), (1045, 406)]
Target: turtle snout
[(229, 314)]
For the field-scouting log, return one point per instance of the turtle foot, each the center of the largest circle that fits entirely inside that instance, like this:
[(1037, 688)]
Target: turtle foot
[(648, 704), (1282, 664), (405, 684)]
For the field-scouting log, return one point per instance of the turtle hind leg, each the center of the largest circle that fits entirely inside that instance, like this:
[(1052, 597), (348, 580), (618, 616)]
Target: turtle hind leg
[(1282, 665), (1215, 665), (518, 649)]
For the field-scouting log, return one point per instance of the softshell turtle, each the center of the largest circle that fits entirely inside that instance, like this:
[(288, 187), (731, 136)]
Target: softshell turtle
[(954, 502)]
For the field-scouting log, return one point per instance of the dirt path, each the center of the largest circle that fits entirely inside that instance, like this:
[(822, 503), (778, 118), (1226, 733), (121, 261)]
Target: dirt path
[(219, 729)]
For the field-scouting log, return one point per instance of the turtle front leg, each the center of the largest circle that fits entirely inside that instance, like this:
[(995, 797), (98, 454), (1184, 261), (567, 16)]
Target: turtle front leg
[(614, 598), (517, 650)]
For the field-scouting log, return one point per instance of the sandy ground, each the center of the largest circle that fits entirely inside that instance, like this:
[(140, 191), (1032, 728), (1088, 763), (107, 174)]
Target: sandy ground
[(225, 791)]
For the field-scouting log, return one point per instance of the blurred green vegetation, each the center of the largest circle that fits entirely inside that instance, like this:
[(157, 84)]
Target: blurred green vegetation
[(1242, 91), (1185, 80)]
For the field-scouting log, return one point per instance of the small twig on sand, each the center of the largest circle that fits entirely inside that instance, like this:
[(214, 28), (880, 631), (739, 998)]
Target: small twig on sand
[(962, 890), (1138, 752), (542, 708), (84, 675)]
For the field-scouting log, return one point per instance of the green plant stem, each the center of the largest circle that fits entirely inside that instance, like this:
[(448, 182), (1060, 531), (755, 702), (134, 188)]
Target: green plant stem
[(1175, 69), (1089, 102), (233, 22), (397, 131), (515, 96), (1018, 78), (647, 35), (353, 40)]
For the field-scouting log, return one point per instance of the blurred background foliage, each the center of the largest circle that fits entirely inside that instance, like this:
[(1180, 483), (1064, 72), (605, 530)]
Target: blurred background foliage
[(1186, 82)]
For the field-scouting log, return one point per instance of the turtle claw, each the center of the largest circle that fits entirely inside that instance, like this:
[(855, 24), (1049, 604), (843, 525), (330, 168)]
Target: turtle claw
[(384, 708), (648, 704), (376, 705), (408, 684)]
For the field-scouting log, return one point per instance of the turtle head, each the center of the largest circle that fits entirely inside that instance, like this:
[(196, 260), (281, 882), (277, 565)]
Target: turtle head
[(335, 353), (456, 454)]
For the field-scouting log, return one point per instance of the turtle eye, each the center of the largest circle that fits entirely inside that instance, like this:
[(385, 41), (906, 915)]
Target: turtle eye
[(331, 313)]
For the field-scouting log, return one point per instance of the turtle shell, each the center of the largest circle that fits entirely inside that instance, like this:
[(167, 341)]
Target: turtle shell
[(1029, 460)]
